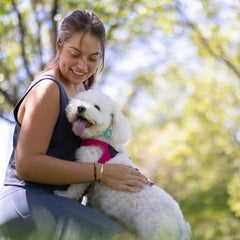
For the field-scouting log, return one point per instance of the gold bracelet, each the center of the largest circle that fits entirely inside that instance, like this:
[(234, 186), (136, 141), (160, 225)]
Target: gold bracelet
[(101, 173)]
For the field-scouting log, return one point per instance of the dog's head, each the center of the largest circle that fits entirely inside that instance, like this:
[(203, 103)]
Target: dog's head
[(92, 113)]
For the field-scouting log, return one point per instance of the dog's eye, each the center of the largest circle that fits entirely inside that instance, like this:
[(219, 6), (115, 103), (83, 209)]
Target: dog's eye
[(97, 107)]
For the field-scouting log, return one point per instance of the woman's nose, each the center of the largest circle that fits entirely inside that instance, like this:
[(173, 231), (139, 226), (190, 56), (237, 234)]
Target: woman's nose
[(82, 63)]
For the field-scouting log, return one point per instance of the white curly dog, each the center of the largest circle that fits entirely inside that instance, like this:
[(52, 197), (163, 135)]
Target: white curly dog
[(151, 213)]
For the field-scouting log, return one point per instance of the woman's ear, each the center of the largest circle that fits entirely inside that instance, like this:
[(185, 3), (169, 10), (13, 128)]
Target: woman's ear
[(120, 127), (58, 47)]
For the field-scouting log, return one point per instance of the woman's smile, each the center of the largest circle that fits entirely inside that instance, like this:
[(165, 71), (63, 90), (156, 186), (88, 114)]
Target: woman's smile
[(80, 74)]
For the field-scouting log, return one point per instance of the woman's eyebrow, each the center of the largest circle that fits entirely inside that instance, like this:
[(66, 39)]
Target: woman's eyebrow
[(95, 53)]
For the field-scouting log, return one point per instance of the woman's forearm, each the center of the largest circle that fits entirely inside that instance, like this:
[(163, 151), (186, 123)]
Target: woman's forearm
[(50, 170)]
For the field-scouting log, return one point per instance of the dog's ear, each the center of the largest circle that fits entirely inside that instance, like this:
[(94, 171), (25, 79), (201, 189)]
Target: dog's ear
[(120, 127)]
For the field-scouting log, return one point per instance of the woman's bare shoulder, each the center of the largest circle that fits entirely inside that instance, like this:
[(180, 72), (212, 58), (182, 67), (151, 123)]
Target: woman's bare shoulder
[(45, 95)]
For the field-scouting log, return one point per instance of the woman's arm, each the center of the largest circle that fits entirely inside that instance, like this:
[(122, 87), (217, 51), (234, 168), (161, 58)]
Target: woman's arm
[(38, 115)]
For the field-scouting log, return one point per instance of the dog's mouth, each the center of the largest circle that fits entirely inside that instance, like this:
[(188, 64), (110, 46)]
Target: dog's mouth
[(80, 124), (86, 121)]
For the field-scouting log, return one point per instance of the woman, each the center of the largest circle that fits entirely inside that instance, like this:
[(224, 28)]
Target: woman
[(44, 145)]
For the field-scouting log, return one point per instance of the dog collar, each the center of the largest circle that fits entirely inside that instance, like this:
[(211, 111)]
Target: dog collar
[(108, 151), (107, 133)]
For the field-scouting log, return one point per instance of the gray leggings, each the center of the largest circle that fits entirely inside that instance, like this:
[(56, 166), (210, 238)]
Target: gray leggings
[(30, 212)]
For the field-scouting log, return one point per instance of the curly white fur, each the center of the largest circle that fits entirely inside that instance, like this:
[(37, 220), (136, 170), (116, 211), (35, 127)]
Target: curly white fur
[(151, 213)]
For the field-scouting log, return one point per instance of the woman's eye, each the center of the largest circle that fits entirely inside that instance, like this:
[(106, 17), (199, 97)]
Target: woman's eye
[(75, 56), (97, 107), (93, 59)]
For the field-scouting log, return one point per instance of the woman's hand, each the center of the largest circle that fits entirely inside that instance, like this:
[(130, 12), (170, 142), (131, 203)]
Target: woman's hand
[(124, 178)]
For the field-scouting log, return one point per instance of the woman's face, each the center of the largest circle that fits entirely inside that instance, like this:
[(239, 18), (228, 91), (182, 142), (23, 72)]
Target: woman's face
[(79, 58)]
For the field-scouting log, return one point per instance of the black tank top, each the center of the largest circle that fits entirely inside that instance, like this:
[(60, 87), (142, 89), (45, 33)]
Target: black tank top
[(63, 143)]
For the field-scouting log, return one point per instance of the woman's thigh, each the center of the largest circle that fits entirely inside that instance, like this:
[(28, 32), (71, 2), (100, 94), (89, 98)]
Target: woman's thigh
[(29, 211), (15, 216)]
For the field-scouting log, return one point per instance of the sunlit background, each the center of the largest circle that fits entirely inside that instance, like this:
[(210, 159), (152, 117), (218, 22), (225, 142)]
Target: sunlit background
[(173, 67)]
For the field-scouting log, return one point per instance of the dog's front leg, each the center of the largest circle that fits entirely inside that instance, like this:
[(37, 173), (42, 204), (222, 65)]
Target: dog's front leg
[(74, 191), (83, 154)]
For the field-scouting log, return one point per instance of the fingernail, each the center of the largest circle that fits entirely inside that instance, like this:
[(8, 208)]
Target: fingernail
[(151, 184), (136, 169)]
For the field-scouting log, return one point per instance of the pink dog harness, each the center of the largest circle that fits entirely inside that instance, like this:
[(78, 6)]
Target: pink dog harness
[(108, 151)]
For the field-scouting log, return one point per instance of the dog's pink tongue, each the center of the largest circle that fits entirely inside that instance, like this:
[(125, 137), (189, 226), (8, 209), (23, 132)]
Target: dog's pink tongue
[(78, 127)]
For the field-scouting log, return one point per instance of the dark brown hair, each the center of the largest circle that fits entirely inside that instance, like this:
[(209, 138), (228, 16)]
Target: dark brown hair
[(80, 21)]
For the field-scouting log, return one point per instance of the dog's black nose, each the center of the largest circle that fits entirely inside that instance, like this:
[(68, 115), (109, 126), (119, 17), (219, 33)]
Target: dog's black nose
[(81, 109)]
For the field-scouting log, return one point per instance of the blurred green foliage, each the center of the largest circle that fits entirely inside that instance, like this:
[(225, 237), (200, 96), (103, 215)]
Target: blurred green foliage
[(183, 107)]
